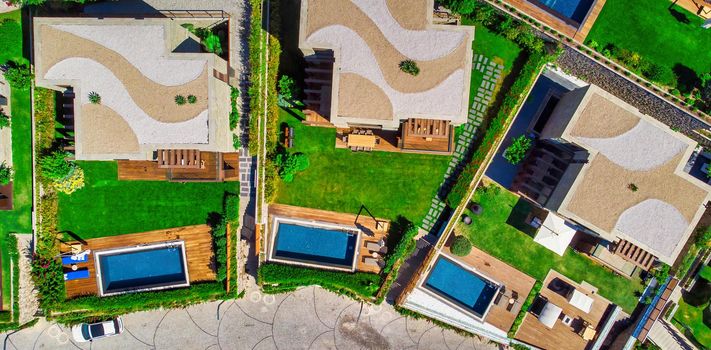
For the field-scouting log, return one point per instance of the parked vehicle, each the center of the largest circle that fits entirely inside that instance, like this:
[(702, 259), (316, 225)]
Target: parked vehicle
[(86, 332)]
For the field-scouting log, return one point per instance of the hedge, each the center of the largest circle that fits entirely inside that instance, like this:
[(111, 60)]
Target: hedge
[(524, 308), (277, 278), (497, 126), (92, 308), (394, 260)]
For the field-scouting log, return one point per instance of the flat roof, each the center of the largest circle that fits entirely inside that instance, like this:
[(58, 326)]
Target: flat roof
[(627, 147), (370, 39), (137, 66)]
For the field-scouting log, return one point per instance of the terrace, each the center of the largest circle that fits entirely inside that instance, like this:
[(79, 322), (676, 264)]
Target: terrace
[(198, 251)]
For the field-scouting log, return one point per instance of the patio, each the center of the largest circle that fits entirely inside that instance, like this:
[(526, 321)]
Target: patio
[(198, 250)]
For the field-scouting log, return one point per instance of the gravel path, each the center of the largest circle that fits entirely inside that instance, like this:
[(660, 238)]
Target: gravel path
[(587, 69), (28, 294)]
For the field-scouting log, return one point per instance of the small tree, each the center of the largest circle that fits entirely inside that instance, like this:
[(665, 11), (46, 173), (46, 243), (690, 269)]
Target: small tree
[(94, 98), (410, 67), (288, 92), (290, 164), (192, 99), (461, 246), (5, 174), (4, 120), (179, 100), (19, 76), (212, 43), (515, 153)]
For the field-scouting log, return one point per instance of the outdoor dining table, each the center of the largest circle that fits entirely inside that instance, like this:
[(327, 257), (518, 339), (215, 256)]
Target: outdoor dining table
[(361, 140)]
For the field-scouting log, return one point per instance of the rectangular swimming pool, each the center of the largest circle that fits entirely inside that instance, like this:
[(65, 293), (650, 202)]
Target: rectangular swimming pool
[(575, 10), (314, 243), (460, 286), (142, 268)]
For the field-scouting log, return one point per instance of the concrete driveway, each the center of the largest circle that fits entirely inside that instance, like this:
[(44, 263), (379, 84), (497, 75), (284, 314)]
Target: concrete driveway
[(310, 318)]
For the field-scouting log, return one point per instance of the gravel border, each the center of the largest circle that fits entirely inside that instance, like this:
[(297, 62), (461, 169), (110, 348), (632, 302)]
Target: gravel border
[(579, 65)]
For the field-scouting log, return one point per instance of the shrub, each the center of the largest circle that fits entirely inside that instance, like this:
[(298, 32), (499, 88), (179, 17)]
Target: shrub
[(278, 277), (234, 112), (55, 166), (71, 183), (461, 246), (179, 100), (515, 153), (632, 187), (705, 273), (219, 242), (403, 249), (463, 7), (4, 120), (47, 275), (212, 43), (288, 92), (94, 98), (409, 67), (290, 164), (192, 99), (236, 141), (19, 76), (5, 174), (524, 308)]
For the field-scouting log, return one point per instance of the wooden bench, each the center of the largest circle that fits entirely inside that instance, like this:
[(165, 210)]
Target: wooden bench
[(288, 137)]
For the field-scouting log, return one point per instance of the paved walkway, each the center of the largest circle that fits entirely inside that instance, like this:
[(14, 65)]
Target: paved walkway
[(310, 318), (465, 141)]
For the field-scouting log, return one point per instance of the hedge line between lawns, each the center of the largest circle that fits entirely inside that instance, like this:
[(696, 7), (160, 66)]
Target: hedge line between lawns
[(497, 126), (524, 308), (278, 278), (93, 308), (255, 96)]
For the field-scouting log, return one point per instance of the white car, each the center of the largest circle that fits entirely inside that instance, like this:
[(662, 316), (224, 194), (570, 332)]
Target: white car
[(88, 332)]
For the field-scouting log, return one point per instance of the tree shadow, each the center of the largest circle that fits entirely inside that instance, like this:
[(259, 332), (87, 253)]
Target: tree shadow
[(679, 16), (397, 230), (518, 215), (687, 79), (699, 295)]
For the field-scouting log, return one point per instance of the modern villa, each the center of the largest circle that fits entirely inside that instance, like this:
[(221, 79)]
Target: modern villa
[(355, 52), (140, 91)]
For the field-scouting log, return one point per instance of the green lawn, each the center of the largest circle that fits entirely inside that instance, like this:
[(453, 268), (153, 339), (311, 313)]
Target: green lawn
[(106, 206), (498, 231), (11, 37), (667, 36), (388, 184), (495, 46), (689, 316)]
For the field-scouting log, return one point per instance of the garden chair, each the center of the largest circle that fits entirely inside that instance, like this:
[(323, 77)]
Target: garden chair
[(76, 275)]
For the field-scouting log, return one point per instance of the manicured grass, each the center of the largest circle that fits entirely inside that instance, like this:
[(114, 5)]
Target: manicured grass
[(388, 184), (689, 317), (106, 206), (495, 46), (11, 37), (500, 231), (667, 35)]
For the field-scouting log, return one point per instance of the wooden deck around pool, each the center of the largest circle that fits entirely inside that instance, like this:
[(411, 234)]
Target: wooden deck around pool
[(373, 230), (577, 32), (198, 251)]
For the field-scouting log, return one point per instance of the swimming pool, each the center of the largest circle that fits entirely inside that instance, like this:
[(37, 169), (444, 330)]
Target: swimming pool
[(141, 268), (462, 287), (575, 10), (312, 243)]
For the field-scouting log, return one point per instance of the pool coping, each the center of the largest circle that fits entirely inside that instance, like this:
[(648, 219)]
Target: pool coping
[(136, 248), (275, 230), (421, 285)]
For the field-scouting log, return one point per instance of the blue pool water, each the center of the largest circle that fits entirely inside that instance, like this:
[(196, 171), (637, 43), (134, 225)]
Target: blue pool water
[(315, 244), (130, 271), (573, 9), (461, 286)]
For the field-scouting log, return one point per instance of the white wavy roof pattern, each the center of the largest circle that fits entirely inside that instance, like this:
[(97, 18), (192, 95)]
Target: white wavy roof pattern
[(655, 223), (641, 148), (357, 58), (144, 46), (420, 45), (96, 77)]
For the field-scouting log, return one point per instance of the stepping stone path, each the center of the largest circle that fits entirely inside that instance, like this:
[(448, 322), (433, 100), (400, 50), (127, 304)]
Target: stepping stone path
[(492, 74), (246, 174)]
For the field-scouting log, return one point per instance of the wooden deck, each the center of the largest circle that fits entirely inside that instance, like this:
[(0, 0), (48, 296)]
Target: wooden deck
[(6, 197), (198, 250), (372, 231), (697, 7), (390, 141), (562, 336), (216, 167), (576, 32), (512, 279)]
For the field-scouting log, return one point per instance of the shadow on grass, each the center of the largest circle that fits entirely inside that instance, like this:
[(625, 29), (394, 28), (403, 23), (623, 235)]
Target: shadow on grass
[(518, 215), (679, 16), (687, 79), (397, 230)]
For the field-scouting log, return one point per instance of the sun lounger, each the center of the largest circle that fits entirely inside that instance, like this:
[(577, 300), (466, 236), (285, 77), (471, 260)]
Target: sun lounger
[(75, 259), (76, 275), (373, 262)]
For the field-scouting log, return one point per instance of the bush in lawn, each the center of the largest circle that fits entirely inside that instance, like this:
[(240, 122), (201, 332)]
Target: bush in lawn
[(71, 183), (55, 166), (461, 246), (192, 99), (179, 100), (212, 43), (19, 76), (5, 174), (94, 98), (409, 67), (4, 120), (290, 164), (288, 92), (515, 153)]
